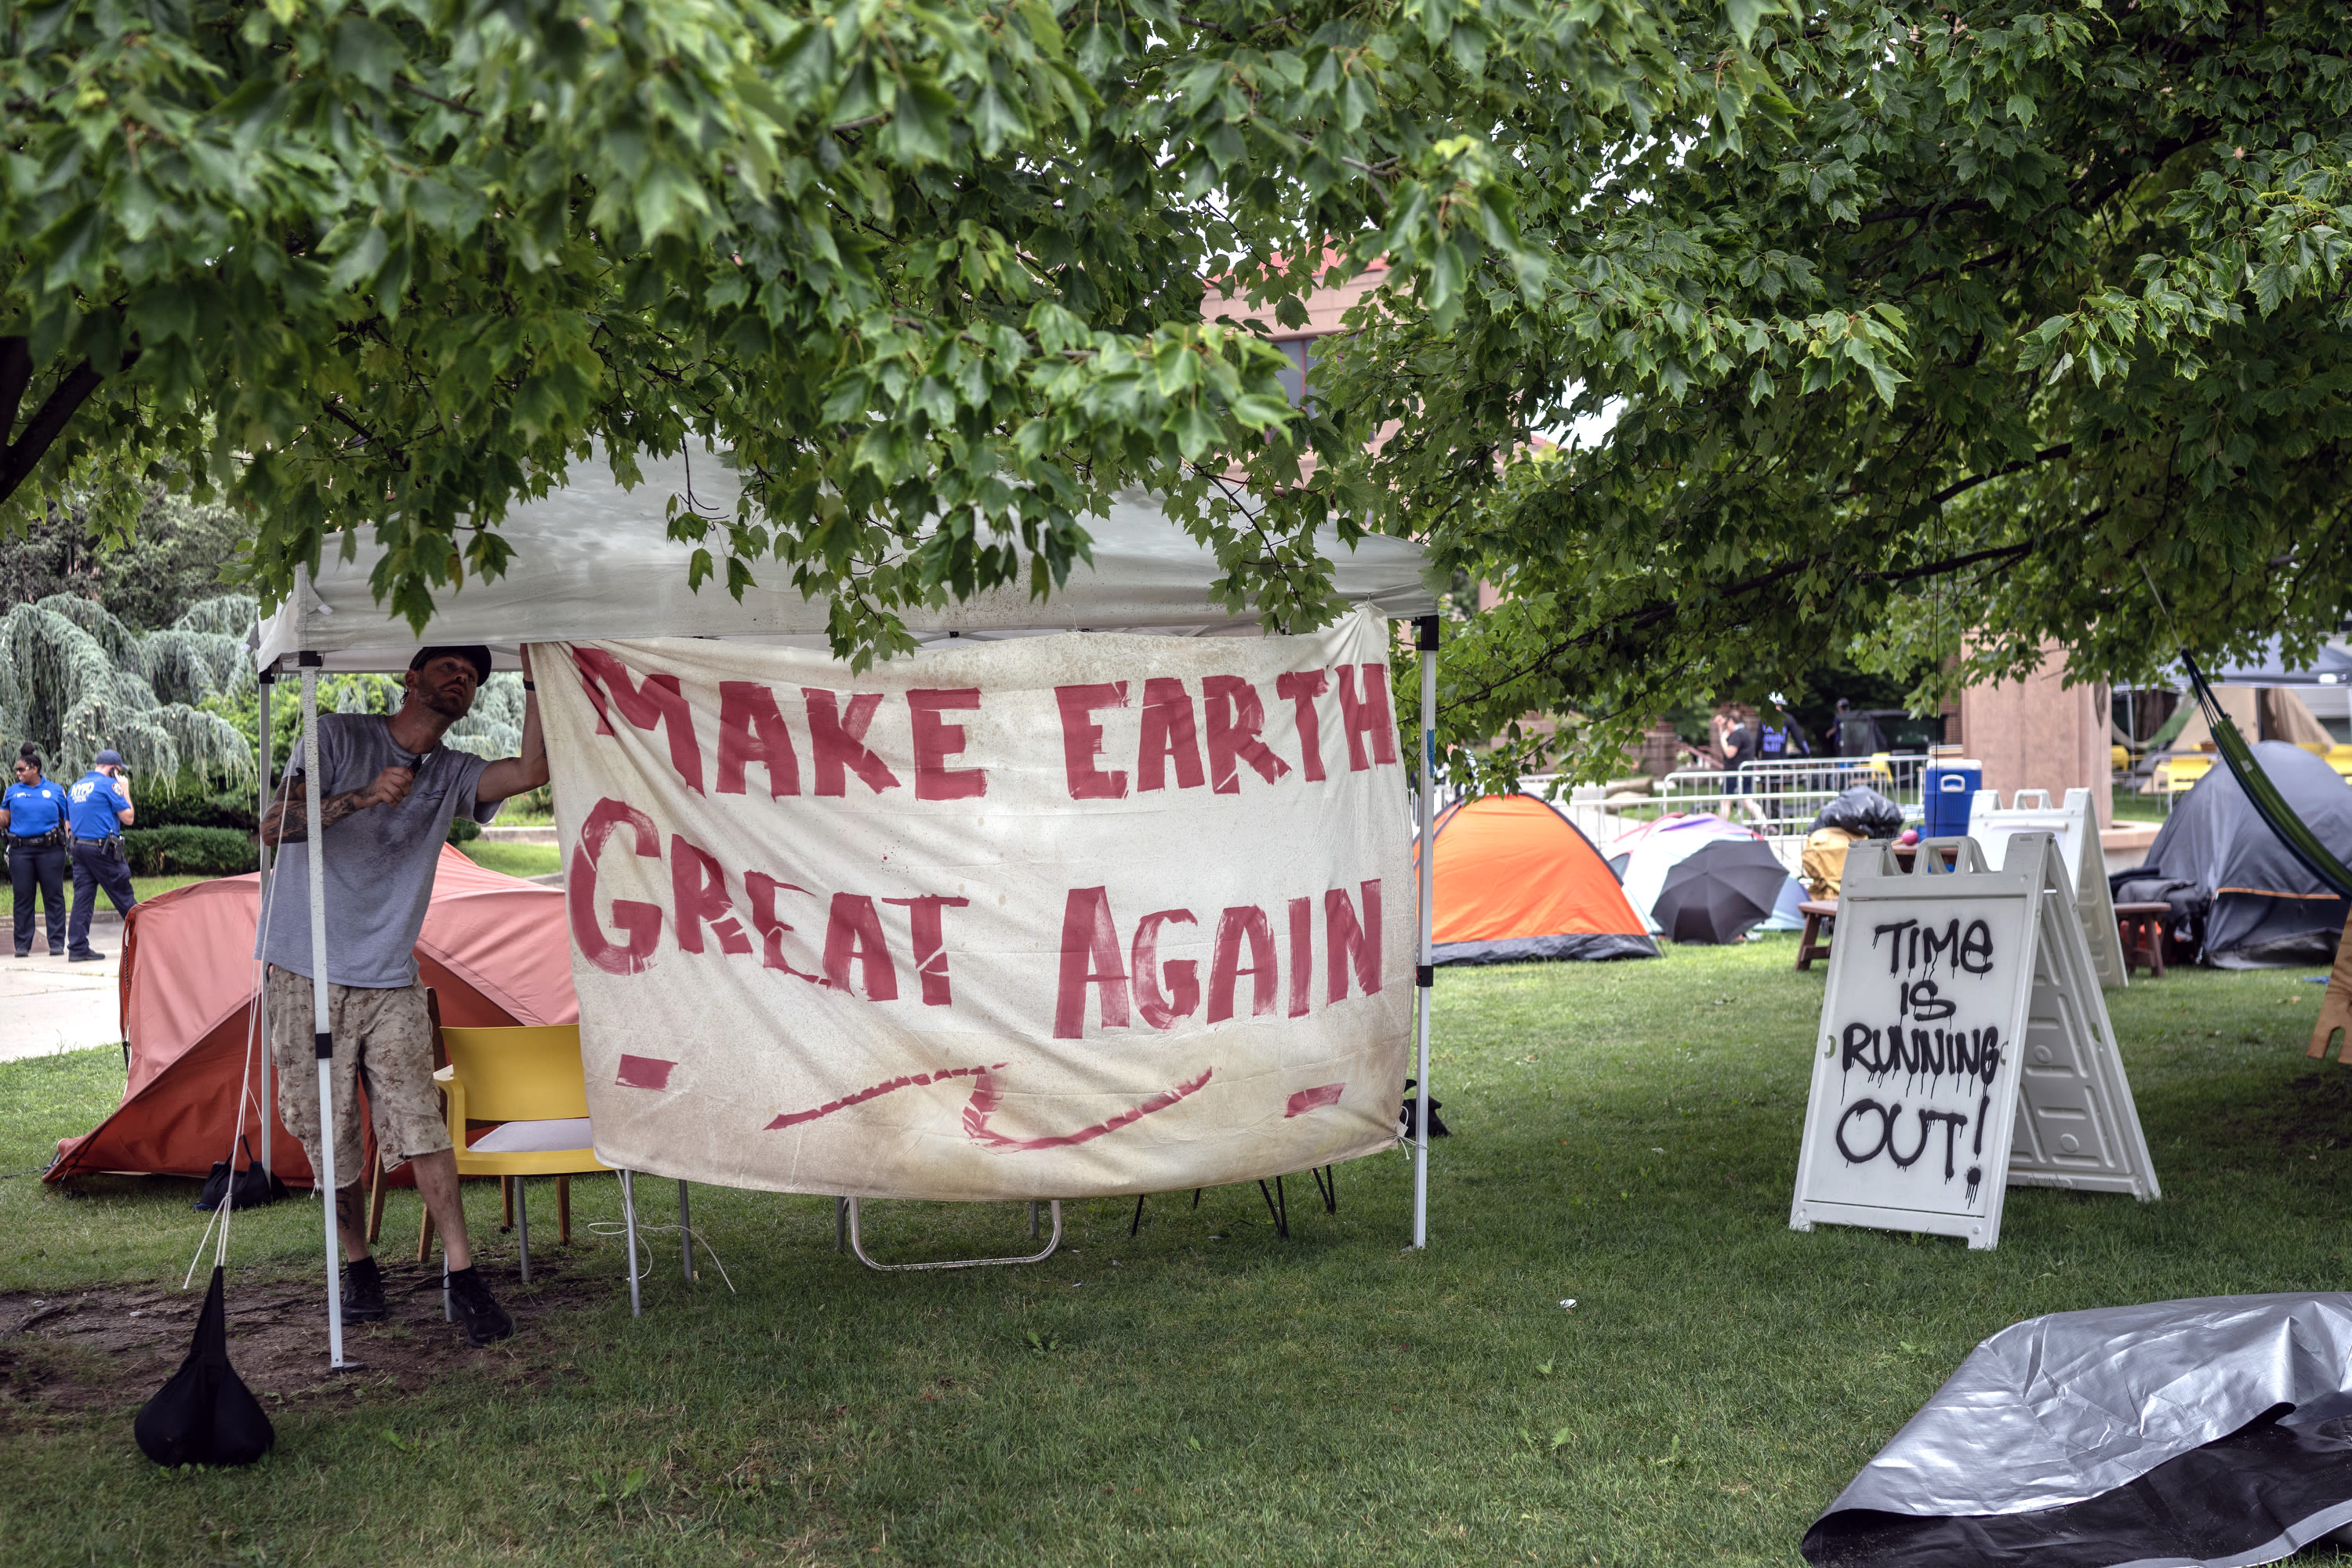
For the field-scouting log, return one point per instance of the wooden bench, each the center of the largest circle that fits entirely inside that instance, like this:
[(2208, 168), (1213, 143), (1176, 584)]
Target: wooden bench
[(1811, 945), (2141, 927)]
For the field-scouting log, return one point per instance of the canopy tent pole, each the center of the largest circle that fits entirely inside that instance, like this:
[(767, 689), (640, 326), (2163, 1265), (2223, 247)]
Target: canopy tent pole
[(323, 1039), (1425, 959), (261, 1023)]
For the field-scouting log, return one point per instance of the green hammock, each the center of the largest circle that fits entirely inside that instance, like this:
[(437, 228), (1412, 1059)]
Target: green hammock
[(2269, 805)]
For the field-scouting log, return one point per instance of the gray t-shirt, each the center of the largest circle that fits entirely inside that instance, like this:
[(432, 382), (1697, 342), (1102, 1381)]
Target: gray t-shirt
[(379, 861)]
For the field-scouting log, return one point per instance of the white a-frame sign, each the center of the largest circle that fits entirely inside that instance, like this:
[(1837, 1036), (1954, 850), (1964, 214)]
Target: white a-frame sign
[(1964, 1046), (2077, 828)]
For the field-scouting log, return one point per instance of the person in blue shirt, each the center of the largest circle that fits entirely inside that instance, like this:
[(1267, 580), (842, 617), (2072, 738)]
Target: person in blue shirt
[(97, 809), (33, 814)]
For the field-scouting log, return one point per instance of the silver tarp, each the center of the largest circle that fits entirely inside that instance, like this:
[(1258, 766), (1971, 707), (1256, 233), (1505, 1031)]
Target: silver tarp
[(2063, 1408)]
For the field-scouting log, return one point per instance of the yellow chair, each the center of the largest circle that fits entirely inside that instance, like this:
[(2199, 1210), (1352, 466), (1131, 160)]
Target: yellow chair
[(531, 1083), (2340, 759), (2179, 775)]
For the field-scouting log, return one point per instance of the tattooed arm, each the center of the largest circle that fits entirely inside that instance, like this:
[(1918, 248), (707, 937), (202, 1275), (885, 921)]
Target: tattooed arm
[(288, 821)]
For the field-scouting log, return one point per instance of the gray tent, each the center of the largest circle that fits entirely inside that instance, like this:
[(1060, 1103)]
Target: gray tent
[(2260, 905)]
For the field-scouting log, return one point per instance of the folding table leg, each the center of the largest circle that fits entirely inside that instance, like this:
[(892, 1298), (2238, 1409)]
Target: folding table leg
[(522, 1227), (449, 1306), (1136, 1223), (563, 1210), (684, 1233), (841, 1225)]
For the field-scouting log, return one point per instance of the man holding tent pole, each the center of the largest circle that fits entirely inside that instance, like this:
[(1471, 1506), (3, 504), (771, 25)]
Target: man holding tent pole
[(387, 789)]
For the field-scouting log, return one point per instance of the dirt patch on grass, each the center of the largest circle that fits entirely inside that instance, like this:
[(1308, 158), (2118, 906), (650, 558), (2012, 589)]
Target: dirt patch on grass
[(2315, 1112), (107, 1348)]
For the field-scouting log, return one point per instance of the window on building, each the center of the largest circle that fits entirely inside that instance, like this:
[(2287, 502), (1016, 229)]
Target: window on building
[(1301, 353)]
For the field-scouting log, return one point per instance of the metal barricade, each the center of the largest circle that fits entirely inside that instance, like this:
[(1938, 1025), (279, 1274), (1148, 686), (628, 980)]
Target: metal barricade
[(1778, 799)]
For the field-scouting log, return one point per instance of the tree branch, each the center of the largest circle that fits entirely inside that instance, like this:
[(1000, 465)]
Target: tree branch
[(15, 375), (1961, 487), (49, 421)]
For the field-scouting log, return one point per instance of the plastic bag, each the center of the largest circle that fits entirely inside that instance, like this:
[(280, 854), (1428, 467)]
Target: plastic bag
[(1862, 812)]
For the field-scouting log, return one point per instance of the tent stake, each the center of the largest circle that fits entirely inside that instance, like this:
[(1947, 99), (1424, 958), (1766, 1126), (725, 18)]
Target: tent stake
[(1424, 970), (322, 1037)]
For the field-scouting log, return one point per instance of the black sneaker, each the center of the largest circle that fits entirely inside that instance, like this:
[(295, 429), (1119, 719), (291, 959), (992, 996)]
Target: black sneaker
[(362, 1292), (487, 1322)]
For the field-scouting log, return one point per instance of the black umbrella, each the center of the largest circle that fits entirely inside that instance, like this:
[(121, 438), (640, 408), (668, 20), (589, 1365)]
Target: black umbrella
[(1721, 892)]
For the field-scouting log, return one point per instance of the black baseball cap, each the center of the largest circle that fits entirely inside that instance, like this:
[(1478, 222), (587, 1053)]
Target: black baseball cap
[(475, 655)]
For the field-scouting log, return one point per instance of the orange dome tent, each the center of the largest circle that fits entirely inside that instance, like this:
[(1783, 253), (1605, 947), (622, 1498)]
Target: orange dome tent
[(494, 949), (1516, 881)]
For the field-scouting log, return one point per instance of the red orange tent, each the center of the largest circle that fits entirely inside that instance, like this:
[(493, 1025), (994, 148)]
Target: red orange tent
[(494, 949), (1516, 881)]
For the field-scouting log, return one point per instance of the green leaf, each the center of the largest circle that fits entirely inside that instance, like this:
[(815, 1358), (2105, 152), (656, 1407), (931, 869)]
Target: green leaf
[(368, 51)]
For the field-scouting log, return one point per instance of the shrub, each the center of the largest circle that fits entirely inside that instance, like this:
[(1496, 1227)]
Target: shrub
[(188, 851), (462, 828), (233, 808)]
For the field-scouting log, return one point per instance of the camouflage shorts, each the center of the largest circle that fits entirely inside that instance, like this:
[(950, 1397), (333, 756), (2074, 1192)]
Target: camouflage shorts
[(383, 1038)]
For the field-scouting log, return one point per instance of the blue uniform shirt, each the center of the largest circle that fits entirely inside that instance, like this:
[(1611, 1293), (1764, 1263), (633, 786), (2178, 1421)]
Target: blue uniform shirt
[(97, 801), (34, 809)]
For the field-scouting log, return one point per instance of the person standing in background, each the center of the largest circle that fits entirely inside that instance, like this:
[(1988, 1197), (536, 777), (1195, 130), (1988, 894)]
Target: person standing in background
[(33, 812), (1718, 734), (97, 809), (1778, 740)]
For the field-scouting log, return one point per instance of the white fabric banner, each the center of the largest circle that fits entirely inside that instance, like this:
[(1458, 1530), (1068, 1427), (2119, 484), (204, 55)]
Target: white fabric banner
[(1059, 917)]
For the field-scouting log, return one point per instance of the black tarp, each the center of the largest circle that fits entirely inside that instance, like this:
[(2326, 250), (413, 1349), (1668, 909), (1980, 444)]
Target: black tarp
[(2262, 906)]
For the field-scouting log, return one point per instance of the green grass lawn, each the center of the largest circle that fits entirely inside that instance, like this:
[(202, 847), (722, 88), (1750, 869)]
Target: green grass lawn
[(2130, 806), (145, 886), (514, 859), (1624, 1136)]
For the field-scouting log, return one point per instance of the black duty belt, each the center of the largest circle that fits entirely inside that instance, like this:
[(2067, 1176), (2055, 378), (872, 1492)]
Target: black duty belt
[(110, 838)]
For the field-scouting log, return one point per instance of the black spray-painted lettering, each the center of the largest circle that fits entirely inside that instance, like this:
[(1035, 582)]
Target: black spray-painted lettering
[(1890, 1117), (1921, 1001), (1914, 1053), (1917, 947)]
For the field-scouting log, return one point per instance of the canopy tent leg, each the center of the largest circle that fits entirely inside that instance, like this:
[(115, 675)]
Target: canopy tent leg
[(261, 1031), (629, 1222), (323, 1039), (1424, 969)]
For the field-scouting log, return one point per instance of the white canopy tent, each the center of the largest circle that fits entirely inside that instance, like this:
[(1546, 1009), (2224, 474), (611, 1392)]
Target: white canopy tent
[(595, 562), (592, 562)]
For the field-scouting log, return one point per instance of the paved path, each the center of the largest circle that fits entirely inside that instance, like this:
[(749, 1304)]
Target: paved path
[(53, 1005)]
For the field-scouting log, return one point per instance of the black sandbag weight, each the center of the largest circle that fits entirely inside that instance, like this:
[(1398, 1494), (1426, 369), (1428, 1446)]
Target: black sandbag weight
[(204, 1414)]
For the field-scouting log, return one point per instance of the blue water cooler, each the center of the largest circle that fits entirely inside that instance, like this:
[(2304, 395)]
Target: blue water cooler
[(1950, 783)]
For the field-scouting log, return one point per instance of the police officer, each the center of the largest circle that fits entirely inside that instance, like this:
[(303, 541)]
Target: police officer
[(97, 809), (33, 813), (1779, 739)]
